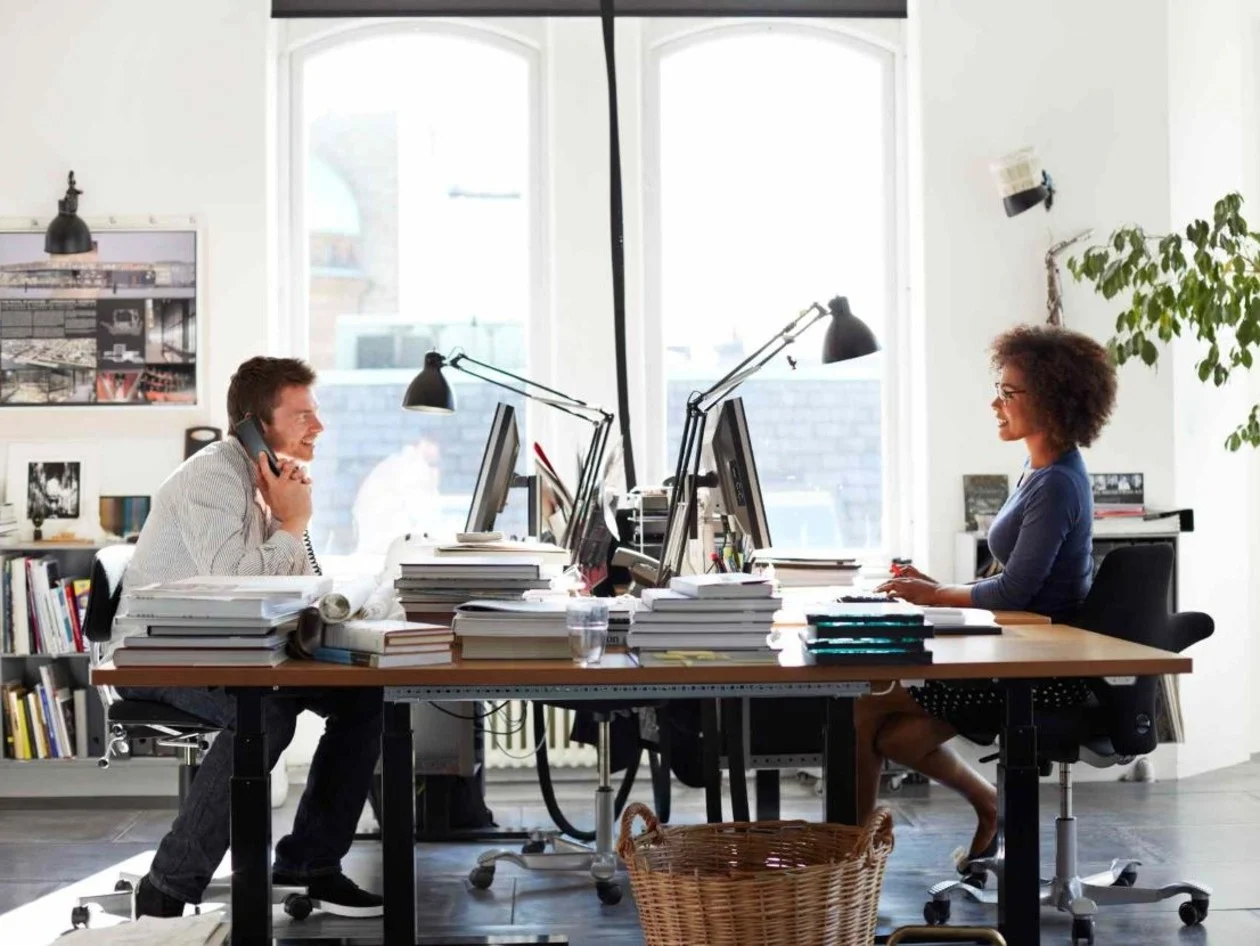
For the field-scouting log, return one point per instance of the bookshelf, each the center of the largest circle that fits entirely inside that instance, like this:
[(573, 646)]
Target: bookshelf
[(74, 561)]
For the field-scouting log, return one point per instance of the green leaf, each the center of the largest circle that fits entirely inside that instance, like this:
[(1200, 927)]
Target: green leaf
[(1150, 354)]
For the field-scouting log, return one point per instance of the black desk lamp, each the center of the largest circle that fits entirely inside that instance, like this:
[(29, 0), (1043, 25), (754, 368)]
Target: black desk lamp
[(847, 337), (430, 393)]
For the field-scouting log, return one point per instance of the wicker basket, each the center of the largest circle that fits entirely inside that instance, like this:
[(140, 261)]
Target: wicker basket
[(769, 883)]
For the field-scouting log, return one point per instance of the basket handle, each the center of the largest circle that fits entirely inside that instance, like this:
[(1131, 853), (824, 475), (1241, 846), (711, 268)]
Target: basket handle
[(878, 830), (939, 934), (652, 825)]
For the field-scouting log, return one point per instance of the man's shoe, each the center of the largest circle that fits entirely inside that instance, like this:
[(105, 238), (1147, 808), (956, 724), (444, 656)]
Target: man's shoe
[(336, 893), (152, 902)]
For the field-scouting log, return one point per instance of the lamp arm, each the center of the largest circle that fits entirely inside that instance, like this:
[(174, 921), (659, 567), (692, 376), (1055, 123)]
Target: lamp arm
[(763, 355), (559, 400)]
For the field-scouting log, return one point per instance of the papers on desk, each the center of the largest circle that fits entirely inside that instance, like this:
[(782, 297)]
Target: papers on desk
[(211, 597), (205, 929), (437, 585), (731, 615)]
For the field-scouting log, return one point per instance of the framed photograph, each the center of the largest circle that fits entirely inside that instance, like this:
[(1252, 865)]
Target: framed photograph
[(57, 483), (115, 327), (984, 495)]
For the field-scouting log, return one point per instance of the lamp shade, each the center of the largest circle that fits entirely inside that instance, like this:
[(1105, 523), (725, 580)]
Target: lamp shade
[(847, 335), (68, 233), (429, 391)]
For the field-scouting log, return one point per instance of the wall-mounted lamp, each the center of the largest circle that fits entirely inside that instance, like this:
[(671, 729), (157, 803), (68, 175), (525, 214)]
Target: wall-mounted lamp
[(68, 233), (1021, 182)]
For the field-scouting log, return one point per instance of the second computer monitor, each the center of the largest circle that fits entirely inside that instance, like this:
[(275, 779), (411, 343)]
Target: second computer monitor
[(737, 473), (498, 466)]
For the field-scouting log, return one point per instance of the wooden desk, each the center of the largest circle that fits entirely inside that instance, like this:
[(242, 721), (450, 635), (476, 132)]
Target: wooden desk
[(1022, 654)]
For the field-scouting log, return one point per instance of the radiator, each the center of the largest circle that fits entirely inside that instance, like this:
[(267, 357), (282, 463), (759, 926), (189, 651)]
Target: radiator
[(516, 751)]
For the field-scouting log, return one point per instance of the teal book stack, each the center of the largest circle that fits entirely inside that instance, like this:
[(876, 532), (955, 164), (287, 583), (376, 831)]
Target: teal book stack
[(868, 634)]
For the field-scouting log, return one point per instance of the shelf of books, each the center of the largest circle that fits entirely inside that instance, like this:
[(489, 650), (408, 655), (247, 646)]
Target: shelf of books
[(49, 710)]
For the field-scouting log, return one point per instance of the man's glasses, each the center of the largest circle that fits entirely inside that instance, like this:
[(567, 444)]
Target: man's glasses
[(1006, 392)]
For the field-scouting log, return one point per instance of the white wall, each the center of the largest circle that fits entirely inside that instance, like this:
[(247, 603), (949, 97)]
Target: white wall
[(1209, 78), (159, 110), (1077, 80)]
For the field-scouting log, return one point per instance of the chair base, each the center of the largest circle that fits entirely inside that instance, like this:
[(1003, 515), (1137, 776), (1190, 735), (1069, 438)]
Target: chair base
[(1079, 897), (296, 901), (550, 851)]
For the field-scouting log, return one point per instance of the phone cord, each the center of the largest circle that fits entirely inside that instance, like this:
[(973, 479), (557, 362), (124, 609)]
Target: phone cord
[(310, 553)]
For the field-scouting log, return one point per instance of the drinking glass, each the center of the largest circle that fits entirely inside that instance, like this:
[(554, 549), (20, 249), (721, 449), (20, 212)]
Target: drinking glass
[(587, 620)]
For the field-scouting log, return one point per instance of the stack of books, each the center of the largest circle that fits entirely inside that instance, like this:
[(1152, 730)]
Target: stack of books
[(437, 585), (806, 570), (8, 524), (385, 643), (40, 612), (868, 634), (46, 721), (497, 629), (728, 616), (213, 621)]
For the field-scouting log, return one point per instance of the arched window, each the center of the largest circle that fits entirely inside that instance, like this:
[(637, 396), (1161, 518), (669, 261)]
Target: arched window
[(771, 170), (412, 156)]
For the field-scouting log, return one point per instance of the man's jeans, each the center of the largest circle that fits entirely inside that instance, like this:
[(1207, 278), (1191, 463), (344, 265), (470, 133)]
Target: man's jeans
[(340, 776)]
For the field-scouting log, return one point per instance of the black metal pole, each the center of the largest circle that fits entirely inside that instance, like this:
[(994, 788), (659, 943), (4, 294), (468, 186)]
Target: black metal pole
[(768, 795), (1019, 883), (840, 763), (733, 739), (398, 824), (606, 8), (710, 753), (250, 824)]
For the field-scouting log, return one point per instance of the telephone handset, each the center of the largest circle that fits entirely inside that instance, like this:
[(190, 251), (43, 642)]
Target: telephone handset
[(250, 433)]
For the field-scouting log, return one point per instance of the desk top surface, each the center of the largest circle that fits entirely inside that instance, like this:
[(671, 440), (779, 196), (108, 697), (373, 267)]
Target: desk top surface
[(1022, 651)]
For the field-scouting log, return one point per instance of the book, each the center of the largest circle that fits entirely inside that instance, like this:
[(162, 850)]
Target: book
[(214, 596), (723, 585), (226, 642), (383, 636), (190, 657), (358, 659), (663, 600)]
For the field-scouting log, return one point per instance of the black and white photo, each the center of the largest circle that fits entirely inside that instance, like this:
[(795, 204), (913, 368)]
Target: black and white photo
[(52, 490)]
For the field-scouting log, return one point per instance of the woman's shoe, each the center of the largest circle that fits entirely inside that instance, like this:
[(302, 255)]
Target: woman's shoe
[(965, 862)]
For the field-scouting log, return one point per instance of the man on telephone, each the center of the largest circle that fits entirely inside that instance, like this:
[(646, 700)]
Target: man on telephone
[(229, 510)]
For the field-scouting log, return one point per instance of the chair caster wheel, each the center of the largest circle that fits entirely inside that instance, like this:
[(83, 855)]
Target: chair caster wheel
[(936, 912), (1127, 878), (534, 847), (122, 886), (80, 917), (1193, 912), (481, 877), (609, 892), (1082, 931), (298, 906)]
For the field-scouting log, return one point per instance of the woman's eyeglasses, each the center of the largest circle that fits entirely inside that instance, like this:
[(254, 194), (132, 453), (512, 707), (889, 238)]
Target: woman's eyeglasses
[(1006, 392)]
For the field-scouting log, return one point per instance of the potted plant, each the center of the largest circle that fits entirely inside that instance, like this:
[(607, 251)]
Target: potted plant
[(1203, 283)]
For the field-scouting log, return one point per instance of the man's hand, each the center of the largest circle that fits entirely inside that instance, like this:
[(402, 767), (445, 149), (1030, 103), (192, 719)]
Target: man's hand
[(287, 495), (912, 590)]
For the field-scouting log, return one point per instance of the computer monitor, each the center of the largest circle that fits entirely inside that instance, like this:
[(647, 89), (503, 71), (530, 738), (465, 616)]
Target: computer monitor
[(498, 466), (737, 473)]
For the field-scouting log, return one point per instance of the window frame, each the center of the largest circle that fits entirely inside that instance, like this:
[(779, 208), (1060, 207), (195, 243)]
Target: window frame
[(302, 40), (885, 43)]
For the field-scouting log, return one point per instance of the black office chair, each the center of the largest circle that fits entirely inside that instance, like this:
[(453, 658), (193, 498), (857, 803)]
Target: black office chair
[(599, 861), (170, 727), (1129, 600)]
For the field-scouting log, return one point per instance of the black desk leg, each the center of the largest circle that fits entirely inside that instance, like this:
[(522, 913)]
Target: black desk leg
[(711, 761), (768, 795), (398, 824), (251, 824), (840, 763), (733, 738), (1019, 908)]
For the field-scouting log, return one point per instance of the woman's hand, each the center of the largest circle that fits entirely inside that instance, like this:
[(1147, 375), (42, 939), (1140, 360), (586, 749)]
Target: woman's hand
[(912, 590), (909, 571)]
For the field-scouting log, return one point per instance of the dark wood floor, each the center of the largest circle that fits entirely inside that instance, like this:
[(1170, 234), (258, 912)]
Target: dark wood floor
[(1205, 829)]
